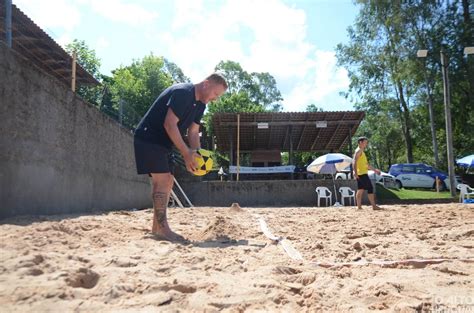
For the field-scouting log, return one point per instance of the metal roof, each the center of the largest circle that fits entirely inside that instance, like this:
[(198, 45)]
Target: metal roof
[(33, 43), (301, 127)]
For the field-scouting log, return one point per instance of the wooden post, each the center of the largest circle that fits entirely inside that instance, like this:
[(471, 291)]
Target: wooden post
[(437, 184), (231, 153), (238, 145), (73, 80), (290, 153), (351, 174)]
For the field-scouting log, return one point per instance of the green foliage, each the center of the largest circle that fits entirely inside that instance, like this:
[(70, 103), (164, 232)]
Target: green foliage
[(394, 87), (175, 72), (250, 93), (259, 88), (136, 86), (313, 108), (88, 60), (247, 93)]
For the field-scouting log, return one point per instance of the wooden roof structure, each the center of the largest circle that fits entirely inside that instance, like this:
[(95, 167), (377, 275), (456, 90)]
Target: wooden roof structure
[(29, 40), (286, 131)]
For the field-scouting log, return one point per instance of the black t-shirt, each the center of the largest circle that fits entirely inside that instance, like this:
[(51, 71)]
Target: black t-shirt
[(182, 100)]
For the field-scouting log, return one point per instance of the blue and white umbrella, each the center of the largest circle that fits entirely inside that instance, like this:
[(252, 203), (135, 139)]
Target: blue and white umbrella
[(330, 164), (467, 161)]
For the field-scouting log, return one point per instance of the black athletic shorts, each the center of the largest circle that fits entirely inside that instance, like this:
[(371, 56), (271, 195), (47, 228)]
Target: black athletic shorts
[(153, 158), (364, 183)]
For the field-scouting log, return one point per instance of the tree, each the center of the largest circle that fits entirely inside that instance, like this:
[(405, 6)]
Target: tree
[(260, 88), (388, 79), (255, 92), (313, 108), (175, 72), (135, 87), (88, 60), (377, 59)]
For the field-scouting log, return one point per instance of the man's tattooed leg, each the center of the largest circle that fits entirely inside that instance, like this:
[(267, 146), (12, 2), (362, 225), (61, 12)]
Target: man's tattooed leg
[(160, 203)]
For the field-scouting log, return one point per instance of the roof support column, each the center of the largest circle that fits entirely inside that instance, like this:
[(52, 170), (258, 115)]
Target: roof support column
[(290, 156), (231, 152), (349, 137)]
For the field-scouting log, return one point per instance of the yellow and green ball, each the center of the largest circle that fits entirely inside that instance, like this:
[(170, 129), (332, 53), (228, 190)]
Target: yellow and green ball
[(204, 162)]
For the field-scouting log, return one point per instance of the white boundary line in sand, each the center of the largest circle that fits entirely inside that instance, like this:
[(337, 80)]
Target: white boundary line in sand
[(295, 255), (285, 243), (384, 263)]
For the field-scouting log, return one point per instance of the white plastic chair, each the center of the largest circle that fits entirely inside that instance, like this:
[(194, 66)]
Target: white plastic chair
[(466, 192), (324, 193), (347, 192)]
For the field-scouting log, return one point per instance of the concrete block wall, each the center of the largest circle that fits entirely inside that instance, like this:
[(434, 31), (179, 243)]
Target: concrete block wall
[(59, 154), (262, 193)]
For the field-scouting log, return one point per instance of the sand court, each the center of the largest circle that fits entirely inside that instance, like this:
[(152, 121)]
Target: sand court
[(110, 263)]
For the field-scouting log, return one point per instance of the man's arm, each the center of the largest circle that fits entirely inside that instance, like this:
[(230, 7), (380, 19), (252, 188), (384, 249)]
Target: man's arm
[(171, 127), (193, 136), (377, 171), (354, 163)]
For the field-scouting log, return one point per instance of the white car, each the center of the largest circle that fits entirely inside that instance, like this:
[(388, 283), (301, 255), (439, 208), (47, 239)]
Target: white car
[(420, 175), (384, 178)]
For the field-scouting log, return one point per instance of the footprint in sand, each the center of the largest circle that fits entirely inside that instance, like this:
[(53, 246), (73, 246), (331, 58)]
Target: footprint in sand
[(32, 271), (119, 290), (82, 278), (124, 262), (303, 279), (286, 270), (29, 261)]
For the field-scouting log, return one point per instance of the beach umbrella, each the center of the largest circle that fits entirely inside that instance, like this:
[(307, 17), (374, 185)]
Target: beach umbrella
[(467, 161), (328, 161), (330, 164)]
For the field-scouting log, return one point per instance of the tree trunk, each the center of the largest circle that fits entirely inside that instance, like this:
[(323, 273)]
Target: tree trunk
[(406, 122), (432, 124), (468, 40), (389, 153)]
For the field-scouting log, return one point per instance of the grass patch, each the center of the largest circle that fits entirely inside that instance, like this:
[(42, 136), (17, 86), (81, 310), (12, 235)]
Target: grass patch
[(386, 194)]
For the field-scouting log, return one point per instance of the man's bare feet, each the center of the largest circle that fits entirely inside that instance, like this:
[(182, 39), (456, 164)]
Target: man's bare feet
[(377, 208), (359, 208), (168, 235)]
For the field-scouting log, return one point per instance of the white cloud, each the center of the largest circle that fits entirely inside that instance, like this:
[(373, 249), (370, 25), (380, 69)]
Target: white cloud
[(123, 12), (101, 43), (53, 13), (263, 36), (61, 15), (64, 39), (321, 86)]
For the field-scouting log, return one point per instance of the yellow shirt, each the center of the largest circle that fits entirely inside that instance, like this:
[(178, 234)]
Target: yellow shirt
[(362, 164)]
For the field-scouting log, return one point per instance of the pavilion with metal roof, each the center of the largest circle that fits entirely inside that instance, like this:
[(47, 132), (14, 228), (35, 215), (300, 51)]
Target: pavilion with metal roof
[(29, 40), (286, 131), (267, 134)]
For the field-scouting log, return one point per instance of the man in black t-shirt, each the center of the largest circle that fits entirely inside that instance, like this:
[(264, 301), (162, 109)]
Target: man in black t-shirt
[(176, 110)]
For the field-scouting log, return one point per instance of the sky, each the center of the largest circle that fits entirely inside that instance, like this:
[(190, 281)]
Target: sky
[(293, 40)]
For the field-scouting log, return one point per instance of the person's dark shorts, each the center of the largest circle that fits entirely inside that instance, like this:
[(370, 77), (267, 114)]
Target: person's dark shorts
[(152, 158), (364, 183)]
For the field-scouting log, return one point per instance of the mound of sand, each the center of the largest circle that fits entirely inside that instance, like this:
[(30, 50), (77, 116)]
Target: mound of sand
[(235, 207), (222, 228)]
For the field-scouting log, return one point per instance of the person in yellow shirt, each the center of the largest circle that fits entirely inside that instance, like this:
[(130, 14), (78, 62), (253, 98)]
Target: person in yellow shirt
[(361, 168)]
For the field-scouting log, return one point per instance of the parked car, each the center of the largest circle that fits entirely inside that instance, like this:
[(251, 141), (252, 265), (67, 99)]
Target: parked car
[(419, 175), (384, 178)]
